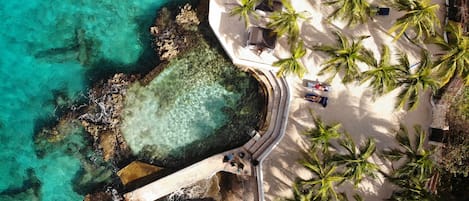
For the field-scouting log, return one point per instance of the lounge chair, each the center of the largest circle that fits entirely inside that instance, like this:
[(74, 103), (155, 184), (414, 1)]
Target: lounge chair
[(261, 38), (315, 98), (270, 6), (321, 86)]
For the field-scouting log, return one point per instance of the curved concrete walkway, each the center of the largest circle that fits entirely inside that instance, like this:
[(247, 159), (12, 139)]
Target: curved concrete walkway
[(232, 35), (259, 147), (277, 114), (255, 150)]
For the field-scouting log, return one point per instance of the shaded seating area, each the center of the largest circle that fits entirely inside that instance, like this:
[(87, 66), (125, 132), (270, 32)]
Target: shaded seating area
[(261, 39), (270, 6)]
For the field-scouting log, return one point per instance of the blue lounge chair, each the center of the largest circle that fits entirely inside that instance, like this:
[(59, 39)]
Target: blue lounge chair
[(315, 98)]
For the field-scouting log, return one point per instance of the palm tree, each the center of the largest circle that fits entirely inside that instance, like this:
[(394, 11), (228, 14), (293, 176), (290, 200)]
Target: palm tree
[(344, 57), (285, 22), (300, 193), (456, 60), (292, 64), (325, 178), (353, 11), (411, 189), (420, 17), (418, 162), (322, 135), (356, 161), (244, 10), (414, 83), (383, 75)]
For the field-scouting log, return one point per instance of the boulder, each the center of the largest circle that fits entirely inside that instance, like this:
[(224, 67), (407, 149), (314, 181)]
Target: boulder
[(136, 170)]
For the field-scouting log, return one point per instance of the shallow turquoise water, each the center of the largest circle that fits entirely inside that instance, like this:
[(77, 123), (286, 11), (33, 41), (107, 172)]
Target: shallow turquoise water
[(201, 104), (50, 50)]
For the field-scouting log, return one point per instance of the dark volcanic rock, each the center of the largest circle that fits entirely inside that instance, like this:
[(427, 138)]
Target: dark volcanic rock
[(102, 117)]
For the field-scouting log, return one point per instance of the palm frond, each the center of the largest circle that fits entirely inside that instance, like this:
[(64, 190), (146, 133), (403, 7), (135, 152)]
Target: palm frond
[(293, 64), (416, 82), (344, 57), (354, 12), (420, 17), (455, 62)]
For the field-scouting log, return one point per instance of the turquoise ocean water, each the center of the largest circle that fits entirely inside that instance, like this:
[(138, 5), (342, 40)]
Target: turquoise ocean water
[(49, 51)]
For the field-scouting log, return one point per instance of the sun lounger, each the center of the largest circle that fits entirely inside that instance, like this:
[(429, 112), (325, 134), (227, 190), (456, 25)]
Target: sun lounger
[(321, 86), (315, 98)]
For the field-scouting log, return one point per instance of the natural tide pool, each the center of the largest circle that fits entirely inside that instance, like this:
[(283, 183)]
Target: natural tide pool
[(201, 104), (54, 50)]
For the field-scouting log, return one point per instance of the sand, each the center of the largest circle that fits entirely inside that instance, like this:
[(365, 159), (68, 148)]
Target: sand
[(352, 105)]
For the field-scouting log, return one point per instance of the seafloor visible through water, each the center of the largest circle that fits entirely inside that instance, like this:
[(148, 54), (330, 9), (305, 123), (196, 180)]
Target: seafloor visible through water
[(51, 52), (199, 105)]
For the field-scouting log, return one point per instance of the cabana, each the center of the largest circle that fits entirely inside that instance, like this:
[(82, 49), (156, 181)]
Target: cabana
[(261, 39)]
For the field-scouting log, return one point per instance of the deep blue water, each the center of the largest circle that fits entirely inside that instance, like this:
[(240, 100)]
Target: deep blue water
[(50, 50)]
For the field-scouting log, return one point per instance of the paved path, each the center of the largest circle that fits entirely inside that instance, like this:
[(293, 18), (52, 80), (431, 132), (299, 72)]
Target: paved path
[(190, 175)]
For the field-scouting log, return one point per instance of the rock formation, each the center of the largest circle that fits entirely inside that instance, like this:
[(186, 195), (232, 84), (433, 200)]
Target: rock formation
[(136, 170), (102, 116), (171, 36)]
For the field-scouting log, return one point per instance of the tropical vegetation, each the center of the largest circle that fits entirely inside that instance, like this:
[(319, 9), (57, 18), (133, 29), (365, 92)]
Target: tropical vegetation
[(285, 22), (357, 159), (417, 159), (330, 168), (411, 189), (353, 11), (300, 193), (344, 57), (292, 64), (420, 17), (326, 176), (321, 136), (455, 159), (418, 166), (383, 75), (327, 163), (244, 10), (416, 81), (455, 62), (333, 167)]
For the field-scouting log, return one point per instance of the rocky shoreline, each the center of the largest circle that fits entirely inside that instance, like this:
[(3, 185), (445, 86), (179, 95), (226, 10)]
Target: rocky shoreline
[(100, 115), (101, 118)]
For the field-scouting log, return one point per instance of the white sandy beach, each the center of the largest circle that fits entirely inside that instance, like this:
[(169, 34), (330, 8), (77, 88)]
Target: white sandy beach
[(351, 105)]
